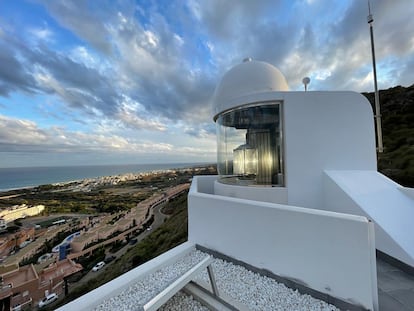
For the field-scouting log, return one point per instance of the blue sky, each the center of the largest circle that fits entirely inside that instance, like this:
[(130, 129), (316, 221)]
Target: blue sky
[(122, 82)]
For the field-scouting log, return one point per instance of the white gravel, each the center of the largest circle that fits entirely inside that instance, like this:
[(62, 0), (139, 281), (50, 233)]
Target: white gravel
[(182, 302), (259, 292), (251, 289), (145, 289)]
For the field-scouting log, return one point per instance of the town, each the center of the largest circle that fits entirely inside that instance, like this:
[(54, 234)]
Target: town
[(47, 249)]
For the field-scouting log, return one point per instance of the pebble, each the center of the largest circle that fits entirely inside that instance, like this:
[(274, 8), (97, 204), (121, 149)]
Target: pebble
[(181, 301), (255, 291), (258, 292)]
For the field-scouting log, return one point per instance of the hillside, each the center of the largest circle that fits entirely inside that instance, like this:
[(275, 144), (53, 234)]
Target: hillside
[(397, 110), (172, 233)]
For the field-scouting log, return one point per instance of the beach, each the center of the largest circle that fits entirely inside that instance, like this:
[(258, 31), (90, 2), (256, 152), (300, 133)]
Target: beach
[(27, 177)]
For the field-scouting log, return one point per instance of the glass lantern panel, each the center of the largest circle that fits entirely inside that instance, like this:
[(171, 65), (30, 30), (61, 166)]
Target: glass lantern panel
[(250, 145)]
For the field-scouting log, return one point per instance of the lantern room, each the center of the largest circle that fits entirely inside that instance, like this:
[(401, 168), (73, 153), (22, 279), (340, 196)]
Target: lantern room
[(250, 128)]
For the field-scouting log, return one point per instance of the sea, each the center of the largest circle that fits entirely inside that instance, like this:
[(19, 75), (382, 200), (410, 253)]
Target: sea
[(25, 177)]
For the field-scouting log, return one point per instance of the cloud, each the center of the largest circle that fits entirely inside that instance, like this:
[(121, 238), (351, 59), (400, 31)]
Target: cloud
[(25, 136), (127, 68), (20, 132), (144, 62), (403, 73), (13, 75), (154, 71), (201, 130), (85, 18), (148, 59), (333, 49), (42, 34), (80, 54), (83, 87), (57, 146), (130, 119)]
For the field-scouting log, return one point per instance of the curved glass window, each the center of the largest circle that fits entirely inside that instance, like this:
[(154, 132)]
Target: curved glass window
[(249, 145)]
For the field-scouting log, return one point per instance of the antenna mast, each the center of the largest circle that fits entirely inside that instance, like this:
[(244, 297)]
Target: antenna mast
[(306, 81), (377, 104)]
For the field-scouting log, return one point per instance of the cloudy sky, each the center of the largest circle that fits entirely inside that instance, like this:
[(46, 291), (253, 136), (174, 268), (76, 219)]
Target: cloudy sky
[(125, 82)]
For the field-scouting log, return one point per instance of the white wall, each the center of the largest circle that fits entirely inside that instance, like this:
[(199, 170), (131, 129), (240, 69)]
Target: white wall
[(407, 191), (325, 130), (263, 193), (329, 252)]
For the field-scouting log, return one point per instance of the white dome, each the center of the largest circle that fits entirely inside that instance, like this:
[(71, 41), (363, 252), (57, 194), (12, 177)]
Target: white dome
[(244, 83)]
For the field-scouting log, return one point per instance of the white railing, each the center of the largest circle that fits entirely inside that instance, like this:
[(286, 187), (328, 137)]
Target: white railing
[(113, 288)]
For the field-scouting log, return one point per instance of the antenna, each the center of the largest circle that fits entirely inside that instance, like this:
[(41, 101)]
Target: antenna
[(306, 81), (377, 116), (369, 18)]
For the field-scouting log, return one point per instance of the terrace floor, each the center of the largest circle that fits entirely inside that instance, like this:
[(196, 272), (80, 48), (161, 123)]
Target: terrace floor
[(395, 288)]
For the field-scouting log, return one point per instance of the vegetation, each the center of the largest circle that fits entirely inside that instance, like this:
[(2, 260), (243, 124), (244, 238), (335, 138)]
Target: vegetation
[(397, 111), (103, 199), (173, 204), (116, 246), (67, 201)]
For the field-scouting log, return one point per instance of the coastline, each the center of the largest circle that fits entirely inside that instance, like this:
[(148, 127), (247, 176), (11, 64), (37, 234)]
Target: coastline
[(85, 173), (114, 212), (24, 178)]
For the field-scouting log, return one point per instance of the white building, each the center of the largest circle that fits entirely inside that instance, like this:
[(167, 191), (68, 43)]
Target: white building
[(20, 211), (298, 195)]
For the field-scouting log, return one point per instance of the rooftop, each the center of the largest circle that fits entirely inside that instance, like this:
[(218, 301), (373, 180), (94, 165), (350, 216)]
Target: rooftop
[(21, 275), (61, 268)]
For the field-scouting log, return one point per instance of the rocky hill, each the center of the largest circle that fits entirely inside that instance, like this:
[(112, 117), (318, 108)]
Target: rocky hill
[(397, 110)]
